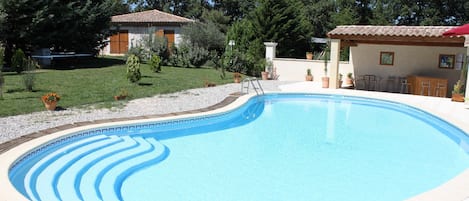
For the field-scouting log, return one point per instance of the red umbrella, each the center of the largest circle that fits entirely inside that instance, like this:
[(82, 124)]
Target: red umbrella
[(461, 30)]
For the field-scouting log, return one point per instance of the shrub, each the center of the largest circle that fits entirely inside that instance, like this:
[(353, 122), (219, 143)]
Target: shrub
[(192, 54), (137, 51), (155, 63), (17, 60), (2, 56), (29, 75), (153, 44), (133, 69), (198, 56), (2, 81)]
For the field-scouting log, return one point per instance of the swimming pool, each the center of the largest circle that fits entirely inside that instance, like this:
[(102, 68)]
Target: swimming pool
[(275, 147)]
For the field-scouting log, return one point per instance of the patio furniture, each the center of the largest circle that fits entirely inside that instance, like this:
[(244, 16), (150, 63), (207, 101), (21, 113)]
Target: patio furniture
[(440, 86), (371, 83), (422, 85), (360, 83), (390, 83), (425, 86), (406, 87)]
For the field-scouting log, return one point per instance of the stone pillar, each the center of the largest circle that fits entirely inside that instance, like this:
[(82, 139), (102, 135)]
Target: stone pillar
[(270, 50), (334, 66), (269, 56)]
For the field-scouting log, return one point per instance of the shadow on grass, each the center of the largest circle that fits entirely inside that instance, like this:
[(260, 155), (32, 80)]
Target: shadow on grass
[(81, 63), (145, 84), (19, 90)]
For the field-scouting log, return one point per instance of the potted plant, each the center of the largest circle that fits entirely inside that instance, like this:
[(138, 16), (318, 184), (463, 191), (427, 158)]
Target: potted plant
[(349, 80), (309, 76), (50, 100), (268, 67), (122, 95), (309, 55), (340, 80), (237, 77), (457, 93)]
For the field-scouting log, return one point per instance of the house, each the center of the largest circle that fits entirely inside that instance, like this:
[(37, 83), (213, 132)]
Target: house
[(386, 51), (130, 28)]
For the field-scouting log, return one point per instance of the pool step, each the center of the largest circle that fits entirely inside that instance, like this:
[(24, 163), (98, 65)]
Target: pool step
[(80, 170), (111, 182), (67, 182), (30, 180)]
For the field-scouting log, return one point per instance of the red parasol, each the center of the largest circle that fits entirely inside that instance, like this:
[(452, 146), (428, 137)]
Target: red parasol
[(461, 30)]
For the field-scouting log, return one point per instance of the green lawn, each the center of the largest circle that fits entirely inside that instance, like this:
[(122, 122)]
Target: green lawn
[(98, 86)]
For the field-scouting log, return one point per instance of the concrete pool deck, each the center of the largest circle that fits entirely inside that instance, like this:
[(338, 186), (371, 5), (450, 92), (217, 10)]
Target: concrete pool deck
[(455, 113)]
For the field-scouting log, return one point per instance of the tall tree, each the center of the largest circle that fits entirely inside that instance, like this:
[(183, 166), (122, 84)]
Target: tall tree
[(186, 8), (235, 9), (79, 25), (285, 22)]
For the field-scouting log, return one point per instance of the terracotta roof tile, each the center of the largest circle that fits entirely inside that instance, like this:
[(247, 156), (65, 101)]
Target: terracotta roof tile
[(368, 30), (151, 16)]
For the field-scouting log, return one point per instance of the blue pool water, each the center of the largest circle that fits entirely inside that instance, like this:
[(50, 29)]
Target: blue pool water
[(275, 147)]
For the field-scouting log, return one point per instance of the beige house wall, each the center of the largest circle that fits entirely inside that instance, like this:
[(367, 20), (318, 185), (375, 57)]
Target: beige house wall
[(137, 33), (295, 69)]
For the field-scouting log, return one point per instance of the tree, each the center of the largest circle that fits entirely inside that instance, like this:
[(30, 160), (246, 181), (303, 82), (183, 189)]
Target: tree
[(235, 9), (78, 25), (285, 22), (186, 8)]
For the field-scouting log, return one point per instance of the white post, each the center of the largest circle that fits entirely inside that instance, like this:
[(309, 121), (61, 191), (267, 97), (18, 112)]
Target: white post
[(466, 44), (467, 80), (269, 51), (334, 67)]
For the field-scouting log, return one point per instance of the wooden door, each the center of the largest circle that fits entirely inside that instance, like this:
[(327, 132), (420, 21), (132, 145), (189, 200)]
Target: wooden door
[(120, 42), (169, 34)]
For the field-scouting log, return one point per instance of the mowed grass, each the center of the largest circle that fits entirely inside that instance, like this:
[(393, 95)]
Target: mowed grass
[(98, 86)]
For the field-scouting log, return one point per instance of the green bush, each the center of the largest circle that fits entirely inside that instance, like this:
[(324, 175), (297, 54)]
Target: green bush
[(155, 63), (2, 56), (133, 69), (18, 60), (29, 75), (2, 82), (156, 45), (192, 54), (136, 51)]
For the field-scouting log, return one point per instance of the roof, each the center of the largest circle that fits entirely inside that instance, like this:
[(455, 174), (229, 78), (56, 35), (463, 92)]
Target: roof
[(403, 35), (149, 16)]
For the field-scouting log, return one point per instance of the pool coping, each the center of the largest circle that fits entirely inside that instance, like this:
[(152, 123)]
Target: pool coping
[(453, 189)]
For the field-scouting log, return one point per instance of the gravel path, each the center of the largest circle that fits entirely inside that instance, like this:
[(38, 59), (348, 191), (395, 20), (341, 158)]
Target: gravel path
[(15, 126)]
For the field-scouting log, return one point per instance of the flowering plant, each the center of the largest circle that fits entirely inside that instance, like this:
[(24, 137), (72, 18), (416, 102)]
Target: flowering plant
[(50, 97)]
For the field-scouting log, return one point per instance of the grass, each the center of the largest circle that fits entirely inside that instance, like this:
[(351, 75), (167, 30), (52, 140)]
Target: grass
[(98, 86)]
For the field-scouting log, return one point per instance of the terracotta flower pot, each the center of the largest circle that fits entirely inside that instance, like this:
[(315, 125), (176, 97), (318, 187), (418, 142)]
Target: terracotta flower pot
[(457, 98), (325, 82), (50, 105), (119, 97), (265, 75), (309, 78), (309, 55), (348, 81)]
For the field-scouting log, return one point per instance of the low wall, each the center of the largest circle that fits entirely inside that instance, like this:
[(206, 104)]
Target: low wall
[(295, 69)]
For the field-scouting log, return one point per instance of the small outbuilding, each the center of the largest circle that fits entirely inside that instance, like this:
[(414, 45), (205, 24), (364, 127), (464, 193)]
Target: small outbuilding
[(399, 51), (130, 28)]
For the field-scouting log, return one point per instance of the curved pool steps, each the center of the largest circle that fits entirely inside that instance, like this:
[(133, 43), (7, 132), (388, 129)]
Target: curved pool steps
[(112, 181), (30, 181), (83, 170), (69, 180), (47, 180)]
